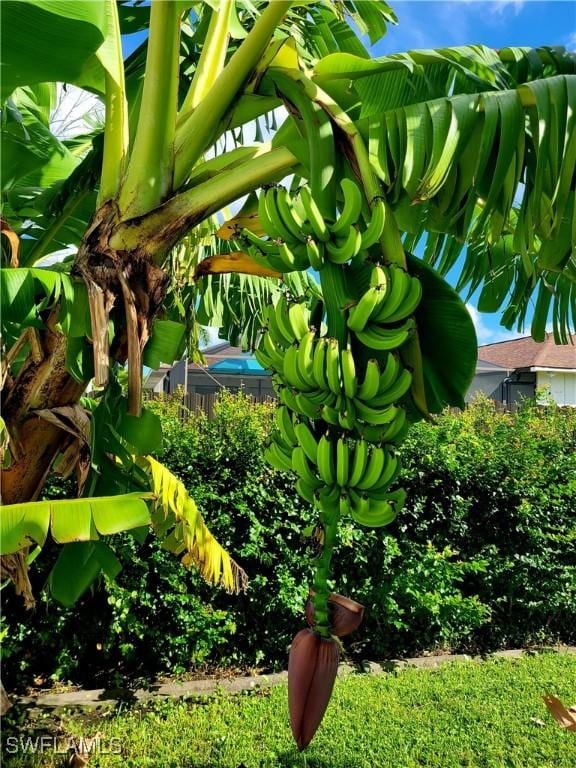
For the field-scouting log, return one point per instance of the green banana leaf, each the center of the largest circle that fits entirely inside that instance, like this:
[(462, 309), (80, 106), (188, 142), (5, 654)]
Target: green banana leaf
[(76, 568), (57, 41), (447, 339), (70, 520)]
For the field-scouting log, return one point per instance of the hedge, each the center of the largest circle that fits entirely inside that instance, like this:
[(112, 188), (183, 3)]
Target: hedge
[(482, 556)]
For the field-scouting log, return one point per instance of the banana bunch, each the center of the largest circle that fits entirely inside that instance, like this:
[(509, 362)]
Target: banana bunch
[(382, 317), (298, 235), (340, 385), (346, 240), (295, 228), (350, 474)]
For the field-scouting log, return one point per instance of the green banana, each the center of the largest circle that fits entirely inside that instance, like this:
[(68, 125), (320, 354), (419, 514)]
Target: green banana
[(342, 462), (333, 366), (291, 371), (351, 209), (264, 360), (391, 469), (375, 228), (409, 304), (285, 425), (287, 258), (326, 465), (367, 306), (379, 514), (266, 246), (276, 458), (281, 321), (305, 358), (314, 216), (278, 438), (331, 415), (371, 382), (306, 491), (265, 220), (315, 253), (375, 416), (289, 215), (329, 502), (396, 390), (374, 468), (397, 498), (347, 415), (306, 407), (319, 363), (341, 252), (301, 466), (306, 441), (348, 368), (359, 462), (396, 427), (386, 339), (359, 504), (279, 230), (288, 398), (322, 397), (272, 351), (399, 288), (298, 318), (389, 374), (379, 278)]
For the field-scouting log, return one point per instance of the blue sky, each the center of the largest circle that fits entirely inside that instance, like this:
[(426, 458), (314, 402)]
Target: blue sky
[(497, 24), (501, 23)]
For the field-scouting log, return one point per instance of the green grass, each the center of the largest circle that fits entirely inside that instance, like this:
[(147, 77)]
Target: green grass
[(462, 714)]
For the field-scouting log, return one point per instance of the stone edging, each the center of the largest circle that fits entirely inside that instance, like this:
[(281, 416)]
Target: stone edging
[(102, 697)]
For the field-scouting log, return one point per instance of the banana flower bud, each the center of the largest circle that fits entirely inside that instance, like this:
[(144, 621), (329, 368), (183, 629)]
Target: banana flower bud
[(312, 668), (345, 615)]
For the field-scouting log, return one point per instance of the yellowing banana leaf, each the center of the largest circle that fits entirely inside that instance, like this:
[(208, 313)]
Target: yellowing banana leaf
[(238, 262), (246, 218), (70, 520), (13, 240), (181, 527)]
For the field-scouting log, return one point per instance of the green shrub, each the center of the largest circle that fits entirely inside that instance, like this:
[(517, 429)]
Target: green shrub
[(481, 557)]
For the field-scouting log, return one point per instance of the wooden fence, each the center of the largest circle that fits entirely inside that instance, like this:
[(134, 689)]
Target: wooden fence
[(196, 404)]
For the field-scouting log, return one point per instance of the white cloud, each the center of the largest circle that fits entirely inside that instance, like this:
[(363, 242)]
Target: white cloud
[(570, 42), (500, 7), (487, 335)]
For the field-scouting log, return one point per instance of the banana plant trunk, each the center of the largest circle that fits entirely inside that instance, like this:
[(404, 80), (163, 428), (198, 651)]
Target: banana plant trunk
[(125, 282), (43, 382)]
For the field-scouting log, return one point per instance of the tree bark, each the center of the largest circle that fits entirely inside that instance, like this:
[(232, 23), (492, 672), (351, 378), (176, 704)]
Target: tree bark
[(36, 442)]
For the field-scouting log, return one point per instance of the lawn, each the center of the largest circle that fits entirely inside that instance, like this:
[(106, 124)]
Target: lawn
[(486, 715)]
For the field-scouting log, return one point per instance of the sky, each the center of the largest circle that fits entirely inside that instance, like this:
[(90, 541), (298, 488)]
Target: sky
[(497, 24)]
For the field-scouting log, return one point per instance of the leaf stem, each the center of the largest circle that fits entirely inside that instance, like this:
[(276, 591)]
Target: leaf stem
[(162, 228), (200, 130), (116, 136), (211, 61), (150, 168)]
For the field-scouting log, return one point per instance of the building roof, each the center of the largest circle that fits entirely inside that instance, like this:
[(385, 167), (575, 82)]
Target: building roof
[(527, 353), (482, 366)]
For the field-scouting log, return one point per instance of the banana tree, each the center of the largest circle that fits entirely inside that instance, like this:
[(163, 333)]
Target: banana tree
[(465, 155)]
